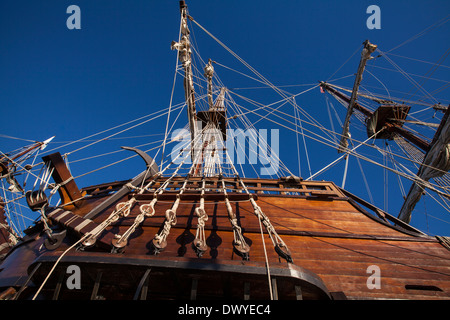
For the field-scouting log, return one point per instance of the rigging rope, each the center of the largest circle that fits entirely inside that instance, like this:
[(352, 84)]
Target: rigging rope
[(412, 177), (417, 85), (419, 60), (424, 31), (171, 97), (269, 280), (55, 264)]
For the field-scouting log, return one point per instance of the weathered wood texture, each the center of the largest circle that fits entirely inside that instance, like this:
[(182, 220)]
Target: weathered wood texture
[(326, 233), (331, 237)]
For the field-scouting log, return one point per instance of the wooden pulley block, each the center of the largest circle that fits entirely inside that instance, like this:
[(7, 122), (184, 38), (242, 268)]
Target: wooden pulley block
[(159, 245), (36, 200), (242, 249), (199, 247), (283, 252), (88, 243), (118, 243)]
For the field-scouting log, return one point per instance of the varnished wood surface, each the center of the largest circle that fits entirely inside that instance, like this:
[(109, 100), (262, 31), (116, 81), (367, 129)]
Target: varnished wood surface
[(329, 236), (332, 238)]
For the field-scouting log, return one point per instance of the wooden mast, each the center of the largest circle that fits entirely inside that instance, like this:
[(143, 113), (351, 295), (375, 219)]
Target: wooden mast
[(365, 55), (435, 164), (184, 54)]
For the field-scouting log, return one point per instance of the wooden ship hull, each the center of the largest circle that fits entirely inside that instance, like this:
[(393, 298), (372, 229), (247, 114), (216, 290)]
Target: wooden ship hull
[(333, 242), (205, 235)]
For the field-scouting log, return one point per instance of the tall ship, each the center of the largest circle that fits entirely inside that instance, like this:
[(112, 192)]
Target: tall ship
[(194, 225)]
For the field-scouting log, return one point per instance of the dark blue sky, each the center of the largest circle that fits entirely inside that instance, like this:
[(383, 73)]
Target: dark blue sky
[(119, 67)]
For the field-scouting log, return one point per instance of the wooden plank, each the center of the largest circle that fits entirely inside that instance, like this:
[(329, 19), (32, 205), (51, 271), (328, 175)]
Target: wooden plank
[(391, 289), (321, 235), (68, 189)]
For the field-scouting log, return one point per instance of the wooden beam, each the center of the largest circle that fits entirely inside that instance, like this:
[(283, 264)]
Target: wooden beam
[(68, 189), (435, 164), (422, 144)]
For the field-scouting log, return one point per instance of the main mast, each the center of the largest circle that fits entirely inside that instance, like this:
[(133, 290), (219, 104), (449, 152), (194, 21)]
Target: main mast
[(208, 128), (184, 56)]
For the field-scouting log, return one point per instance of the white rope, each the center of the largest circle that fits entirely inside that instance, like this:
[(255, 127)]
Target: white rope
[(171, 97), (331, 144), (348, 59), (20, 166), (56, 263), (418, 60), (417, 85), (341, 157), (364, 179), (266, 258), (112, 128), (254, 135), (114, 134), (345, 171), (400, 184), (424, 31), (326, 142), (351, 142), (387, 91), (303, 137), (258, 213), (298, 145), (10, 137)]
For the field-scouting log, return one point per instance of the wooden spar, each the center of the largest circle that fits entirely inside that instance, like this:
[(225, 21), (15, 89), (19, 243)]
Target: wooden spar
[(5, 161), (68, 189), (344, 97), (435, 164), (365, 55), (209, 72), (392, 126), (151, 170)]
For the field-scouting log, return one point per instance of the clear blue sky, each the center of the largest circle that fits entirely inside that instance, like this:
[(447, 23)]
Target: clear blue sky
[(119, 67)]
